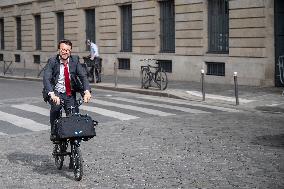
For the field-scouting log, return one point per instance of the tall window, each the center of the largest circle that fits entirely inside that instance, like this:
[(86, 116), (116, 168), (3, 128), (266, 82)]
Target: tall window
[(218, 26), (37, 32), (2, 41), (167, 26), (60, 25), (91, 24), (19, 33), (126, 28)]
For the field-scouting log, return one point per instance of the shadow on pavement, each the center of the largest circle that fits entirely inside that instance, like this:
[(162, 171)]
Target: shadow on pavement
[(270, 109), (276, 141), (41, 164)]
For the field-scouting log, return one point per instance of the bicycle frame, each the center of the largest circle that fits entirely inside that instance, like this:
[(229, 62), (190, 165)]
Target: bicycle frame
[(60, 148)]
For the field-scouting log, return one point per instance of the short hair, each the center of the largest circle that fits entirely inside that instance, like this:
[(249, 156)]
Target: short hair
[(65, 41)]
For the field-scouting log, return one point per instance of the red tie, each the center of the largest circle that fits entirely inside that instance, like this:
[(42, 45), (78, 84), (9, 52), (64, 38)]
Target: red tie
[(67, 80)]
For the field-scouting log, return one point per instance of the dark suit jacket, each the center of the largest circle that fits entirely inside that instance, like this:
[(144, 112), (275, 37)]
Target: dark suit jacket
[(76, 71)]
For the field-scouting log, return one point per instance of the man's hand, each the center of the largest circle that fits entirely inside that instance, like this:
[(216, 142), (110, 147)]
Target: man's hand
[(55, 98), (87, 96)]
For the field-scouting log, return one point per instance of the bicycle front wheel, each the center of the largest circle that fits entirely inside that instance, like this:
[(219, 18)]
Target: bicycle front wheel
[(77, 163), (161, 78), (57, 154), (145, 78)]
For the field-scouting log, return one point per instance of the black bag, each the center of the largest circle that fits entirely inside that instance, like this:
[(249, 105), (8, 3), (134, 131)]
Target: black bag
[(75, 126), (45, 95), (88, 61)]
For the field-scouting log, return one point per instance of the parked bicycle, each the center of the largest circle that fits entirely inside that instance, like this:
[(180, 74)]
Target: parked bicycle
[(71, 130), (153, 74)]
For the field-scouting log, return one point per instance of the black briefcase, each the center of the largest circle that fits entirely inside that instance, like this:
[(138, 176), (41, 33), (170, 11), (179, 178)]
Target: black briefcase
[(75, 126)]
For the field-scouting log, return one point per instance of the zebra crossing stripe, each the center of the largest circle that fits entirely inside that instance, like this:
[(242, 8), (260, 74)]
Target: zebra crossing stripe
[(32, 108), (109, 113), (22, 122), (189, 110), (135, 108), (175, 101)]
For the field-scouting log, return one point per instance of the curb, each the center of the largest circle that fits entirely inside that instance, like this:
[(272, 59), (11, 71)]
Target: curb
[(120, 89), (139, 91), (21, 78)]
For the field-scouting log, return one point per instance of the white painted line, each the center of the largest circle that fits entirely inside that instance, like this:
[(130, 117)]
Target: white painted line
[(3, 133), (108, 113), (189, 110), (23, 122), (32, 108), (218, 97), (176, 101), (135, 108)]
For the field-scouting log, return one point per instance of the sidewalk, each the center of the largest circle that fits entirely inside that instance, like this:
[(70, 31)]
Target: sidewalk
[(249, 96)]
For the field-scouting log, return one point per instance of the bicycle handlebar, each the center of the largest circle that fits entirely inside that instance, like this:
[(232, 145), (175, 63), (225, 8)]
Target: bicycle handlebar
[(79, 102), (148, 60)]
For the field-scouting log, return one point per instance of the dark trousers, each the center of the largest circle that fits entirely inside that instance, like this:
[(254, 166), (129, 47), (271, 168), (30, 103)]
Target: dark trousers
[(95, 70), (55, 110)]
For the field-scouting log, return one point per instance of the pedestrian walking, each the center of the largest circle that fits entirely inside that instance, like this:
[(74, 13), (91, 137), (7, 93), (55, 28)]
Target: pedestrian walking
[(95, 70)]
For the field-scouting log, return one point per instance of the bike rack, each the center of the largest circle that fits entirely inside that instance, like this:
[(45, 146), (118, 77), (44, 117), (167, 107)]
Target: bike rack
[(41, 66), (8, 67)]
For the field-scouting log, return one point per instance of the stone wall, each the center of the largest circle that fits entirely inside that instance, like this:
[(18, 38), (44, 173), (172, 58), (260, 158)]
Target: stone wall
[(251, 49)]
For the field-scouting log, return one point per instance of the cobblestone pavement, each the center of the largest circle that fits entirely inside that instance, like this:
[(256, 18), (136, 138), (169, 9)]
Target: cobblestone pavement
[(224, 150)]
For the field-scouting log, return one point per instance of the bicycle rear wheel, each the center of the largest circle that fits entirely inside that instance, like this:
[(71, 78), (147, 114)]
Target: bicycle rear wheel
[(77, 162), (57, 154), (162, 76), (145, 78)]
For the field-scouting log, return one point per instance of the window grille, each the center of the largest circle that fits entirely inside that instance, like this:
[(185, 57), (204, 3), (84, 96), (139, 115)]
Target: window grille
[(2, 46), (17, 58), (60, 26), (215, 68), (124, 63), (90, 26), (38, 32), (126, 28), (218, 26), (167, 26), (166, 65), (37, 59), (19, 33)]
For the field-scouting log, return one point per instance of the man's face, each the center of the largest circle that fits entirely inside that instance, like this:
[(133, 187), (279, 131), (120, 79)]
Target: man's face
[(64, 51)]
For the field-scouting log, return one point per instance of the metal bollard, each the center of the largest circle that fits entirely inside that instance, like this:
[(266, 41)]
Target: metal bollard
[(24, 67), (161, 83), (141, 78), (236, 88), (115, 74), (4, 68), (202, 85)]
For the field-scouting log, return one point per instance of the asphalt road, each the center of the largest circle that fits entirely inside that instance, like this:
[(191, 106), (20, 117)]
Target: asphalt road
[(175, 148)]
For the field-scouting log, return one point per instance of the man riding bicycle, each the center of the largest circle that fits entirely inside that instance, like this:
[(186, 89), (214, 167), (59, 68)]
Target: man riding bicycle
[(63, 77)]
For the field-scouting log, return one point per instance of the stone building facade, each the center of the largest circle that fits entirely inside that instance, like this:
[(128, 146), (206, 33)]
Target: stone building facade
[(250, 40)]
